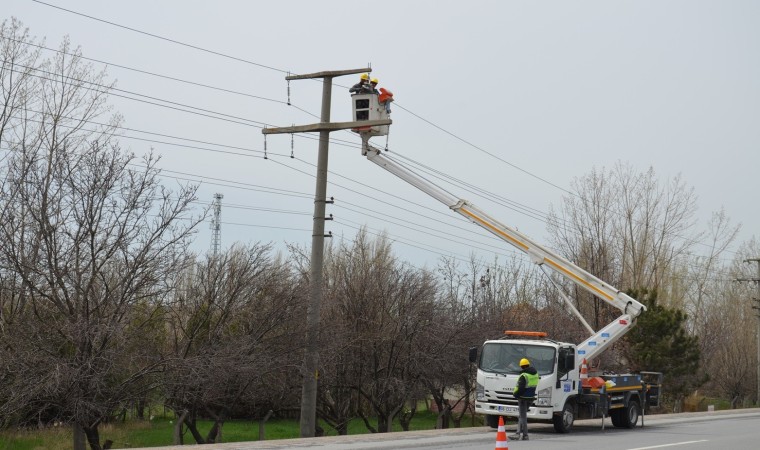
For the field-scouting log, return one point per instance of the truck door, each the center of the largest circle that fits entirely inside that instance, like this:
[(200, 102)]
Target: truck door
[(565, 364)]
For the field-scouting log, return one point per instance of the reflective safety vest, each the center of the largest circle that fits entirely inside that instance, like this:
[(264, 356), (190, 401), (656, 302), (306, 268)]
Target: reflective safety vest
[(531, 381)]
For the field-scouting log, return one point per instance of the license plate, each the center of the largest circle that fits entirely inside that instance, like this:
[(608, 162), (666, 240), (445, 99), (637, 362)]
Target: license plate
[(507, 409)]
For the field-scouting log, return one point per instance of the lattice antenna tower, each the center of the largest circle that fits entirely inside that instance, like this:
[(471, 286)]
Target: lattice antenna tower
[(216, 224)]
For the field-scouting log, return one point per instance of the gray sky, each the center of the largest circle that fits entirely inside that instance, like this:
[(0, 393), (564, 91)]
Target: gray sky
[(549, 89)]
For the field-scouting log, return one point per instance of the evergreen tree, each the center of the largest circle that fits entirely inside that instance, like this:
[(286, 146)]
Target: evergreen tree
[(659, 342)]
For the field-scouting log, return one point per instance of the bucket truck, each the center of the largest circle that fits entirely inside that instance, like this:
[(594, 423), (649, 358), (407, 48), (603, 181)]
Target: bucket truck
[(564, 392)]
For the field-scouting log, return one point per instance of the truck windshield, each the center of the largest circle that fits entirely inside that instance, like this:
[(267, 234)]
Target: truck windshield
[(504, 357)]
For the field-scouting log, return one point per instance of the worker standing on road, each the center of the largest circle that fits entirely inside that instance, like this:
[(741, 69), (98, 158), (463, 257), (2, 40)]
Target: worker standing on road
[(525, 393)]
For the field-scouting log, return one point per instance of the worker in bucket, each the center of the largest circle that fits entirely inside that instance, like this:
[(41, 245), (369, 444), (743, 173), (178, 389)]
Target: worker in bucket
[(385, 97), (362, 87), (525, 393)]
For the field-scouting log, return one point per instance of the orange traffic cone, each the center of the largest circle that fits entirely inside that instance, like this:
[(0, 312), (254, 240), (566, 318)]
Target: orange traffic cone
[(501, 435), (584, 372)]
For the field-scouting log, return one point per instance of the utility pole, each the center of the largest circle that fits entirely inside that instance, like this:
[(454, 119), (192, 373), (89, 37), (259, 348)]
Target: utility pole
[(216, 225), (308, 421), (756, 280)]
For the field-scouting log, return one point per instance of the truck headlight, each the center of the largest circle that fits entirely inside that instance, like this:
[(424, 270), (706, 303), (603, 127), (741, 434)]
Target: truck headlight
[(544, 397), (480, 391)]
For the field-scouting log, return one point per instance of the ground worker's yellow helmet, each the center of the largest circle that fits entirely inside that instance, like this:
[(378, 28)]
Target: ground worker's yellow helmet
[(374, 80), (365, 76), (524, 362)]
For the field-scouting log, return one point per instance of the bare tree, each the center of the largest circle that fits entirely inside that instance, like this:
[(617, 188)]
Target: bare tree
[(232, 330), (585, 230), (379, 309), (655, 226), (731, 324), (627, 228), (638, 233), (696, 287), (85, 237)]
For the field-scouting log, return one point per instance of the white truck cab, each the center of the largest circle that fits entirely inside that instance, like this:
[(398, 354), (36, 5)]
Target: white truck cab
[(562, 394), (499, 371)]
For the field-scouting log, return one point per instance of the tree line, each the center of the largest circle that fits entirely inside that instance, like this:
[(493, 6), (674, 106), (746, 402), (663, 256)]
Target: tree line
[(104, 309)]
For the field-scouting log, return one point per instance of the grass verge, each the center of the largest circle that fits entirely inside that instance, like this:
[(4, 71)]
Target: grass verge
[(158, 432)]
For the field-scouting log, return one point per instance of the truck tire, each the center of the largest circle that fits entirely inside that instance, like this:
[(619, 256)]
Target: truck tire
[(564, 422), (492, 421), (629, 416), (616, 415)]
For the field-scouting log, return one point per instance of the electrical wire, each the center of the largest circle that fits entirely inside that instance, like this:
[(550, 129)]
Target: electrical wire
[(174, 41), (249, 186), (401, 198), (107, 90), (222, 114), (303, 194), (455, 136), (153, 74)]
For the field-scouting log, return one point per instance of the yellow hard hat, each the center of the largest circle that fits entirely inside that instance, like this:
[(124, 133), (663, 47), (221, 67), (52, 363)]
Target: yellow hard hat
[(365, 76), (524, 362), (374, 80)]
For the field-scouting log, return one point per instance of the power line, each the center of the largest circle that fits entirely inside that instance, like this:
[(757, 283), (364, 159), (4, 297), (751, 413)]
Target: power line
[(339, 205), (465, 141), (397, 104), (107, 90), (303, 172), (254, 208), (223, 114), (248, 186), (265, 226), (527, 210), (502, 201), (288, 72), (233, 184), (430, 232), (417, 213), (416, 245), (158, 75), (401, 198), (174, 41)]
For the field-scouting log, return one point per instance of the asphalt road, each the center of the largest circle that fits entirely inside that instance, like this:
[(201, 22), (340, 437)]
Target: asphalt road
[(724, 430)]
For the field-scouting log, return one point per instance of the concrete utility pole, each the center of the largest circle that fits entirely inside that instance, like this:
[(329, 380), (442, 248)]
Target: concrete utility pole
[(756, 280), (311, 355)]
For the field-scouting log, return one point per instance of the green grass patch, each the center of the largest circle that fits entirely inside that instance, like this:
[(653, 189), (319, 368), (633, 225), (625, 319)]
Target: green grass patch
[(719, 403), (158, 432)]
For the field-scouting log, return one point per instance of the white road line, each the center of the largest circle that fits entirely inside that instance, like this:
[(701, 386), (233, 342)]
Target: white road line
[(668, 445)]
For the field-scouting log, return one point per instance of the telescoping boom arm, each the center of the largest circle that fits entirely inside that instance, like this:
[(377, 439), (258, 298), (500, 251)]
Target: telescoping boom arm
[(538, 254)]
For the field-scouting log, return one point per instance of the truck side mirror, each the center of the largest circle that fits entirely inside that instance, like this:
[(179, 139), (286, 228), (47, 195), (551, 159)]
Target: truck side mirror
[(473, 354)]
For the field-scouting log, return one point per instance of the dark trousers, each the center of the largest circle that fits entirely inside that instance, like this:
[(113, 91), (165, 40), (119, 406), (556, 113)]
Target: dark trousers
[(522, 422)]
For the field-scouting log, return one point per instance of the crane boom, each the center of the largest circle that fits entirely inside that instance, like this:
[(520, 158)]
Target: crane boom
[(538, 254)]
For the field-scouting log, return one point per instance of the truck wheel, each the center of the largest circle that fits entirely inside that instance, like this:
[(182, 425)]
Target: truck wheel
[(630, 416), (492, 421), (616, 415), (564, 422)]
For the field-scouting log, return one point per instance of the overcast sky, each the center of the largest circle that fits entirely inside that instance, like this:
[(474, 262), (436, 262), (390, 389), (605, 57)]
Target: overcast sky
[(516, 98)]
